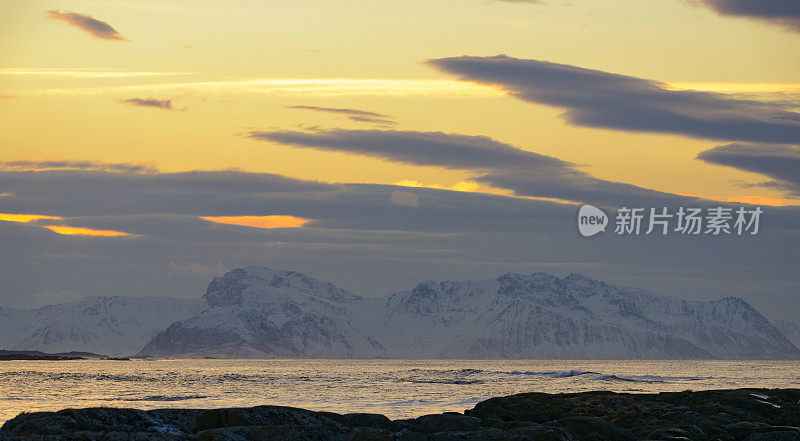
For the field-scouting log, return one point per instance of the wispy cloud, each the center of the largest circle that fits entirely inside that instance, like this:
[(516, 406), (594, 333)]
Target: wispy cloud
[(79, 73), (781, 163), (352, 114), (494, 163), (372, 120), (736, 88), (595, 98), (785, 13), (28, 165), (322, 87), (149, 102), (338, 110), (92, 26), (419, 148)]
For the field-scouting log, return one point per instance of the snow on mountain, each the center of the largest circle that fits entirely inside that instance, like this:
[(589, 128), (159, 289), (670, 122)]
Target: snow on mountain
[(15, 325), (542, 316), (105, 325), (259, 312), (791, 330)]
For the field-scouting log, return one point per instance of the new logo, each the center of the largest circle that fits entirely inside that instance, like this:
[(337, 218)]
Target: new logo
[(591, 220)]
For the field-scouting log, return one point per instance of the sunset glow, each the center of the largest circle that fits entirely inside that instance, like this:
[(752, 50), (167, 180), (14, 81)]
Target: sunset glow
[(260, 221), (78, 231), (151, 146), (10, 217)]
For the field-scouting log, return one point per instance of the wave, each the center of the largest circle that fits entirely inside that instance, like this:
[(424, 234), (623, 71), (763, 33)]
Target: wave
[(165, 398), (465, 371), (554, 374), (440, 381), (618, 378)]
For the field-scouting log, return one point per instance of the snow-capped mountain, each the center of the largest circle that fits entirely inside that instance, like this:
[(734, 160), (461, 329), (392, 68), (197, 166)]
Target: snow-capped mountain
[(542, 316), (104, 325), (259, 312), (790, 329)]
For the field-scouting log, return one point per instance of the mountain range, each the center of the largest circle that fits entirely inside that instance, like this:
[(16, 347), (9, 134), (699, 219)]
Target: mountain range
[(258, 312)]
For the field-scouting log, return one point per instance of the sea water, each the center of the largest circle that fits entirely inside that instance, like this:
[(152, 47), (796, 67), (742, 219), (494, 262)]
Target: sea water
[(395, 388)]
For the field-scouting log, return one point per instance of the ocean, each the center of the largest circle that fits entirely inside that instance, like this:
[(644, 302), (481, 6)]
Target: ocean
[(395, 388)]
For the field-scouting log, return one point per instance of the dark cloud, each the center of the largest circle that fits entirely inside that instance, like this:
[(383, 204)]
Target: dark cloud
[(352, 114), (781, 163), (418, 148), (785, 13), (371, 120), (364, 237), (224, 192), (92, 26), (149, 102), (495, 163), (594, 98), (78, 165), (338, 110)]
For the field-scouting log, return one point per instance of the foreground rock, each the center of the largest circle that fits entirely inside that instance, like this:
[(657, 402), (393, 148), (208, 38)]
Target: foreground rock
[(37, 355), (736, 415)]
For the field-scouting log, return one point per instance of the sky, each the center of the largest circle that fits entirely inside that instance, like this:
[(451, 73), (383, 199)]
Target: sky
[(149, 146)]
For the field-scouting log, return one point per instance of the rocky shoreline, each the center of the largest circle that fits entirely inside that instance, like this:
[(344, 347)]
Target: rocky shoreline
[(736, 415)]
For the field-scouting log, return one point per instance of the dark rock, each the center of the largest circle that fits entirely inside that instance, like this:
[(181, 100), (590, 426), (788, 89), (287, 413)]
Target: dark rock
[(725, 415), (100, 419), (784, 435), (675, 433), (364, 420), (446, 422), (264, 416), (290, 433), (601, 429)]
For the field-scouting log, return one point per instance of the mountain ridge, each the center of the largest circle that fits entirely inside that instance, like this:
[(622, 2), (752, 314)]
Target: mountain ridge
[(259, 312)]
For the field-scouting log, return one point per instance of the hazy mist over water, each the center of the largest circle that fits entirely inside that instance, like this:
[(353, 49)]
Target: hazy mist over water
[(395, 388)]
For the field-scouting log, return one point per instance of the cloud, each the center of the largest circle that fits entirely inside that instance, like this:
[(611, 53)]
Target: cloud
[(594, 98), (198, 268), (92, 26), (352, 114), (149, 102), (494, 163), (404, 198), (419, 148), (338, 110), (364, 237), (78, 165), (785, 13), (369, 119), (781, 163), (70, 73), (324, 87)]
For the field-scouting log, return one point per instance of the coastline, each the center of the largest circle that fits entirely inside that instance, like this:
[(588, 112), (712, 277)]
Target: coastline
[(727, 414)]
